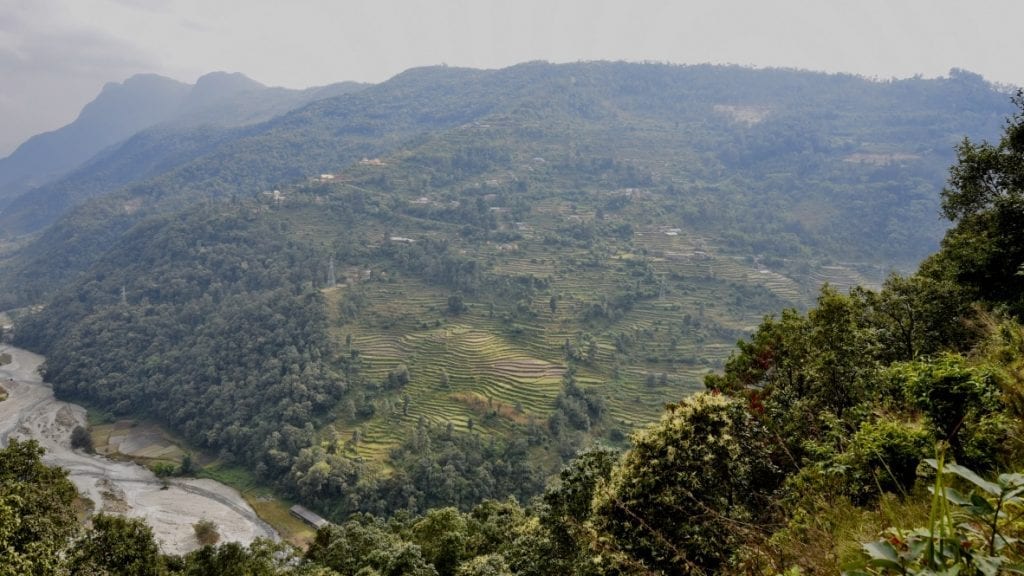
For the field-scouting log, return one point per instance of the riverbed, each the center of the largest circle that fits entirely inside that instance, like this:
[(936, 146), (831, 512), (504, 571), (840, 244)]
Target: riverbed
[(170, 509)]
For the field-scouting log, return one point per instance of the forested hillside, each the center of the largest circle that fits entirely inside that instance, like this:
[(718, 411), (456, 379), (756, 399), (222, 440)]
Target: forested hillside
[(874, 433), (134, 130), (439, 289), (119, 111), (770, 160)]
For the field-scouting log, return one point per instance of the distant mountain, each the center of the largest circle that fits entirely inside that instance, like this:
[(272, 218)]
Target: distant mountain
[(143, 101), (120, 110), (233, 99), (342, 123), (779, 162)]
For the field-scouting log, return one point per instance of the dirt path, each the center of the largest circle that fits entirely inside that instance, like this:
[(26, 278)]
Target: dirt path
[(31, 411)]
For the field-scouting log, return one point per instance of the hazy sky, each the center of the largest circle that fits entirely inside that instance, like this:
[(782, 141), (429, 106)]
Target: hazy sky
[(55, 55)]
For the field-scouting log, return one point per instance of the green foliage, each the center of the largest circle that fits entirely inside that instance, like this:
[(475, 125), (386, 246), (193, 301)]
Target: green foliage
[(215, 318), (162, 469), (489, 565), (985, 200), (962, 403), (564, 521), (883, 456), (221, 307), (359, 545), (441, 535), (187, 466), (116, 545), (706, 459), (81, 439), (260, 558), (971, 537), (36, 513)]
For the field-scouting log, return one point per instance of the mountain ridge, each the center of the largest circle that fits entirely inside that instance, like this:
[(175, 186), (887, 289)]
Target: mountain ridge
[(145, 101)]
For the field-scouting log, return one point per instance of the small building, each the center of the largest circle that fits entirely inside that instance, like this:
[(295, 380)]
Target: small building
[(308, 516)]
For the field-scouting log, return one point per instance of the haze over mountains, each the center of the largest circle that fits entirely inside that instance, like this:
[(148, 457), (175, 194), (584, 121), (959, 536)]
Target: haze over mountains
[(142, 102)]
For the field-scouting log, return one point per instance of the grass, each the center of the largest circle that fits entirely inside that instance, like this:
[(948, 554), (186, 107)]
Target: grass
[(275, 512), (270, 508), (828, 533)]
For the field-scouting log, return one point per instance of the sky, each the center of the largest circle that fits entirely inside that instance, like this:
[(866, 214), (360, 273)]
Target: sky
[(56, 55)]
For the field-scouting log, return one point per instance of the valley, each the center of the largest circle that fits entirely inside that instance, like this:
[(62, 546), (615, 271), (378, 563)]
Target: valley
[(170, 507), (438, 290)]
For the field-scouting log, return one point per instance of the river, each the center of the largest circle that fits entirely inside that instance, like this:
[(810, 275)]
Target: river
[(31, 411)]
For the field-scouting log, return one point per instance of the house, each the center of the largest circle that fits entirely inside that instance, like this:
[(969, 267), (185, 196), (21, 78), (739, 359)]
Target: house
[(308, 516)]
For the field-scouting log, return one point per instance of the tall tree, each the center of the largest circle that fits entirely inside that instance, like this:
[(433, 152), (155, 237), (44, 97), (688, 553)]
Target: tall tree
[(36, 514), (116, 546), (985, 199)]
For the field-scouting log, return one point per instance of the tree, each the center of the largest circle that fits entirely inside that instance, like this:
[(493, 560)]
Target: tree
[(187, 466), (985, 200), (261, 558), (455, 304), (365, 544), (689, 492), (963, 405), (116, 545), (36, 513), (81, 440), (917, 315), (442, 535), (566, 513), (488, 565)]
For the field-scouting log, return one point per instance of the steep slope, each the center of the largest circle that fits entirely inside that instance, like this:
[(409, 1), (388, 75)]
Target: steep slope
[(321, 137), (169, 113), (538, 256), (817, 159), (119, 111)]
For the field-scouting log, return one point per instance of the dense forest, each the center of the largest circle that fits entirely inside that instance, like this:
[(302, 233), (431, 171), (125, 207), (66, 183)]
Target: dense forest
[(871, 434)]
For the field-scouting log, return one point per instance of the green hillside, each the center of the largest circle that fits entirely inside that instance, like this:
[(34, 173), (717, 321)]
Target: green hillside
[(437, 290), (875, 433), (806, 157)]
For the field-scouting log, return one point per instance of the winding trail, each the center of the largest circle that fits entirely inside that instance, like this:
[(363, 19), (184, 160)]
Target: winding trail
[(31, 411)]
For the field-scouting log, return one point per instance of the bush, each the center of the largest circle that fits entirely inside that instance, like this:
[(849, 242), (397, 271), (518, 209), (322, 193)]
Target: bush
[(960, 402), (82, 440), (883, 456), (206, 532)]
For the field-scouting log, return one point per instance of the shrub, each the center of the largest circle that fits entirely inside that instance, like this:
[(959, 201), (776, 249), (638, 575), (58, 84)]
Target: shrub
[(883, 456), (689, 492), (206, 532), (960, 401), (82, 440)]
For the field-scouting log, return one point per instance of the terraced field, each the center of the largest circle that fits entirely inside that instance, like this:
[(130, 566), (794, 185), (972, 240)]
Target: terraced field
[(498, 364), (502, 373)]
